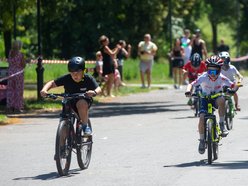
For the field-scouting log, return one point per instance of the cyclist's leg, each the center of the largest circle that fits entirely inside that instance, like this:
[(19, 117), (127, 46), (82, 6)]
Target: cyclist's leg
[(82, 107), (220, 101), (236, 101), (203, 110)]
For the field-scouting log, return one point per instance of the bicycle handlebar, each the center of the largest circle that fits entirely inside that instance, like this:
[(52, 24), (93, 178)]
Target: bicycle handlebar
[(67, 95)]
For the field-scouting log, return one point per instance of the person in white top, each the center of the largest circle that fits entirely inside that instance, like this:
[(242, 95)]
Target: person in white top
[(211, 82), (231, 73), (146, 51), (185, 43)]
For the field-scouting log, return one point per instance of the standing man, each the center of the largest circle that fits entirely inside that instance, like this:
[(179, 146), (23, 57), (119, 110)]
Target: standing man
[(146, 50), (222, 47)]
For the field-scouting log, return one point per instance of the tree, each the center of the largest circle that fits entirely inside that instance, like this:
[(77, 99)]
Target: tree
[(221, 11)]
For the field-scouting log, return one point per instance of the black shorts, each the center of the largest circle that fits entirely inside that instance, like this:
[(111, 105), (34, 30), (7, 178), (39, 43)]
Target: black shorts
[(178, 63), (74, 102)]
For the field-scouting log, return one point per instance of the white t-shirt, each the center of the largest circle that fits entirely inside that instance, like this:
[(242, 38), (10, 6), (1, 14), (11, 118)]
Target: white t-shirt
[(187, 47), (231, 73), (209, 86), (148, 47)]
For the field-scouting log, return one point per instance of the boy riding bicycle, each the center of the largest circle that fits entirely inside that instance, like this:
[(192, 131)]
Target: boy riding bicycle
[(77, 82), (193, 69), (211, 82), (231, 73)]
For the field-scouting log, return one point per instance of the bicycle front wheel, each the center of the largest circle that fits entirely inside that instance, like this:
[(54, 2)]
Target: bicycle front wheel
[(228, 116), (209, 140), (84, 150), (63, 148)]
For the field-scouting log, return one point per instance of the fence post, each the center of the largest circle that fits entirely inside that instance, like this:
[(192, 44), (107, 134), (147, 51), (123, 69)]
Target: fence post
[(40, 71)]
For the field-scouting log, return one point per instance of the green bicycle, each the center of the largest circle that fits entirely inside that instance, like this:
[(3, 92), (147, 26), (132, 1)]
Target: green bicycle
[(230, 111), (212, 132)]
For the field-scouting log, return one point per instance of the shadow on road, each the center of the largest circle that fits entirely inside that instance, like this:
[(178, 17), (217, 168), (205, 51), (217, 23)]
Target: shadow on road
[(50, 176), (221, 165), (118, 109)]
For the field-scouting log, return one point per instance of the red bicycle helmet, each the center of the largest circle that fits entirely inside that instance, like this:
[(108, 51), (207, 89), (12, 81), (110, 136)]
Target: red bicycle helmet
[(214, 61)]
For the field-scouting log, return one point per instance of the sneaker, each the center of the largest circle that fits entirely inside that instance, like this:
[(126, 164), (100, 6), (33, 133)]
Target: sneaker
[(87, 130), (224, 131), (201, 148)]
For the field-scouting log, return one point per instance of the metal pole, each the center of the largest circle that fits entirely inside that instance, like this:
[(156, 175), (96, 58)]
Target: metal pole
[(39, 69), (170, 34)]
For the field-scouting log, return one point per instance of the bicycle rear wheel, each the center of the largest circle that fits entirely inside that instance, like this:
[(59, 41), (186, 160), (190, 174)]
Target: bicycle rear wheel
[(84, 150), (63, 148), (209, 141), (228, 116)]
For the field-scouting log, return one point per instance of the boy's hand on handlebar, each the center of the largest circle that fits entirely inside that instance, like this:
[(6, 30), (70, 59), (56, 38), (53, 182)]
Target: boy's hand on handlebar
[(43, 93), (91, 93), (188, 94)]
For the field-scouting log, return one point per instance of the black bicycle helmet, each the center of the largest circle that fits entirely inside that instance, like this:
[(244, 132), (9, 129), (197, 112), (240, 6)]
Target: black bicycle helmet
[(225, 57), (75, 64), (214, 61), (195, 60)]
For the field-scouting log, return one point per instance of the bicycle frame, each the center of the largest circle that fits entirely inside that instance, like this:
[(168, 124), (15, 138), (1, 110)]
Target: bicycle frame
[(212, 130)]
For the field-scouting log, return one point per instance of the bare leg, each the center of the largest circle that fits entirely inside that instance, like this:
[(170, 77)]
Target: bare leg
[(82, 107), (142, 74)]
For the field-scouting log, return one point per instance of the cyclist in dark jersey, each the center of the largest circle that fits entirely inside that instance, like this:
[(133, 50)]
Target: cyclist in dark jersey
[(77, 82)]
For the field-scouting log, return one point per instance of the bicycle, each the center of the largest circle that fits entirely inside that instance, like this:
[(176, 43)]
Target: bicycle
[(67, 139), (229, 108), (212, 132), (196, 100)]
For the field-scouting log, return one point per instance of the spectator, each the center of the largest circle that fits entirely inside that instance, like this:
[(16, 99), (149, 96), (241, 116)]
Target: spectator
[(123, 53), (98, 68), (177, 55), (198, 45), (222, 47), (185, 42), (109, 62), (15, 86), (146, 50)]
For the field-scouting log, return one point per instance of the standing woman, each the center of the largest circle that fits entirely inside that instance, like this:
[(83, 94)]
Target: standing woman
[(177, 55), (15, 87), (109, 62)]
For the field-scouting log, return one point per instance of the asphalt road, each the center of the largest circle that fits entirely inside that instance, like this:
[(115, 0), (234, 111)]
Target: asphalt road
[(143, 139)]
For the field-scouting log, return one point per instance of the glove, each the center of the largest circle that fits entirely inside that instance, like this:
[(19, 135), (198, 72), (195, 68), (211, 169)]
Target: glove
[(188, 94)]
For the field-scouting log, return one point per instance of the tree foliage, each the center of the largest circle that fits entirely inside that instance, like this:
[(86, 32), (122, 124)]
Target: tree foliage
[(72, 27)]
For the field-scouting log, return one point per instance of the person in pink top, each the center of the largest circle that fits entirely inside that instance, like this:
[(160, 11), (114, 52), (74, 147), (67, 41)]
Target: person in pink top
[(15, 86)]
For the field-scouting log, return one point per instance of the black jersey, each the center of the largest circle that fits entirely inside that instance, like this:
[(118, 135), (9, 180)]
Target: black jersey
[(70, 86)]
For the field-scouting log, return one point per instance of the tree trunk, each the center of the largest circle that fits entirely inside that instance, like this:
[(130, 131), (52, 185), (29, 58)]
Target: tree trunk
[(7, 42), (214, 41)]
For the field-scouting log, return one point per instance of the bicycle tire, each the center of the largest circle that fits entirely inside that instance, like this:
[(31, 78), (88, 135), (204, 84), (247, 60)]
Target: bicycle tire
[(197, 106), (228, 116), (84, 150), (209, 140), (63, 148)]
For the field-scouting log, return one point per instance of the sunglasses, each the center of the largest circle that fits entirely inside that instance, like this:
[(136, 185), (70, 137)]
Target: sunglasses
[(213, 72)]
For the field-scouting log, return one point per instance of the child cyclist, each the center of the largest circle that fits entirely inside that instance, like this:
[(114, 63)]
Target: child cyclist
[(231, 73), (193, 69), (211, 82), (76, 81)]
